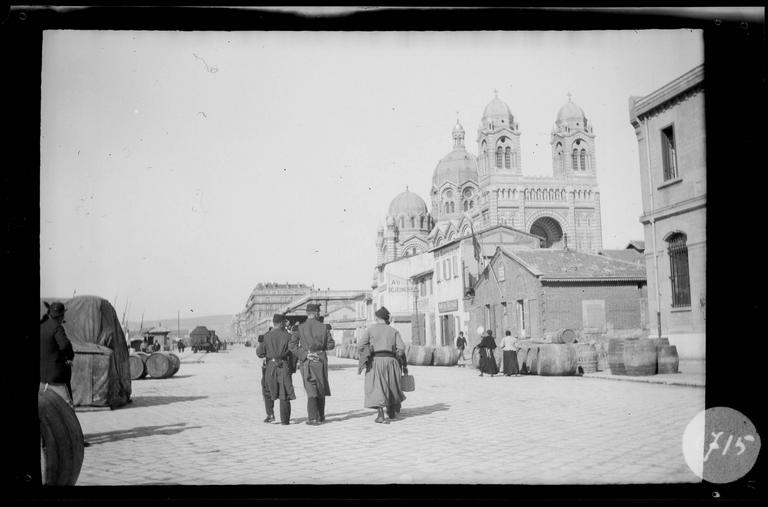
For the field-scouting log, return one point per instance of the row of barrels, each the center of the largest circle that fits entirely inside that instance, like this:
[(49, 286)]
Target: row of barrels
[(156, 365), (415, 354), (642, 356)]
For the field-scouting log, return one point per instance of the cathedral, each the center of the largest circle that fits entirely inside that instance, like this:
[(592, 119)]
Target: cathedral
[(490, 189)]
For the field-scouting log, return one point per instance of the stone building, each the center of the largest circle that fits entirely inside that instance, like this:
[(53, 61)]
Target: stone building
[(265, 300), (536, 292), (669, 125), (491, 189)]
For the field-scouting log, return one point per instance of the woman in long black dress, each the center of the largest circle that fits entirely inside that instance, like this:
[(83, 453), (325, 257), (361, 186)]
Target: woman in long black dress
[(487, 360)]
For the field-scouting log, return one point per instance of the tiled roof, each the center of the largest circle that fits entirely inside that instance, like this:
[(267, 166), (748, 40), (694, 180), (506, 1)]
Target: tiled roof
[(638, 244), (572, 265), (626, 255)]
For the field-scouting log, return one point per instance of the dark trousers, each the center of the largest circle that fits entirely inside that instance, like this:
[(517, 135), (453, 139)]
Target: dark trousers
[(285, 408), (316, 408)]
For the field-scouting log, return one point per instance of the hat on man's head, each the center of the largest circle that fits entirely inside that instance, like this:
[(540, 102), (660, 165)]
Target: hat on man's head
[(382, 313), (278, 318), (312, 307), (55, 309)]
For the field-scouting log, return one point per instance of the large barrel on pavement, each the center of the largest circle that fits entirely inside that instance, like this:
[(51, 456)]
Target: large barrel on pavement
[(556, 359), (143, 356), (668, 360), (176, 362), (445, 356), (564, 335), (137, 367), (616, 356), (159, 365), (420, 355), (532, 359), (61, 440), (586, 358), (521, 356), (639, 357)]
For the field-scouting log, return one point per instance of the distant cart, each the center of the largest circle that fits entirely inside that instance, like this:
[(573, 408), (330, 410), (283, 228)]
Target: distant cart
[(202, 339)]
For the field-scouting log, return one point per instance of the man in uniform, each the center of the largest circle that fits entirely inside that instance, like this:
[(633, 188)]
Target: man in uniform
[(56, 353), (276, 348), (311, 343)]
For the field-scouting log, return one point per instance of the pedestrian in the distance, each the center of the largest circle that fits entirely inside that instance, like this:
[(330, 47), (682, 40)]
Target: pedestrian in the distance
[(509, 346), (278, 385), (485, 349), (311, 343), (56, 353), (461, 344), (382, 377)]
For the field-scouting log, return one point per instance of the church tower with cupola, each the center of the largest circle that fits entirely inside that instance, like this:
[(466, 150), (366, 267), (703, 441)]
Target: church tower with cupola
[(498, 143), (407, 226), (573, 143)]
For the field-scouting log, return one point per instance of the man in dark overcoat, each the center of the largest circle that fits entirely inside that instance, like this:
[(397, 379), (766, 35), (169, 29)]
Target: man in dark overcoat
[(56, 353), (277, 383), (311, 344)]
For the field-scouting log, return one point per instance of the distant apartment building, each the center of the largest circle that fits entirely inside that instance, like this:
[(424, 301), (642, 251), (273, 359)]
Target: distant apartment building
[(266, 299), (669, 125)]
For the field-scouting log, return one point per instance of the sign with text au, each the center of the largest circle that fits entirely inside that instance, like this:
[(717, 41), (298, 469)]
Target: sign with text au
[(448, 306)]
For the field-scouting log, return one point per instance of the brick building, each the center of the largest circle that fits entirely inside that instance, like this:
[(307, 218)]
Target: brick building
[(670, 130), (535, 292)]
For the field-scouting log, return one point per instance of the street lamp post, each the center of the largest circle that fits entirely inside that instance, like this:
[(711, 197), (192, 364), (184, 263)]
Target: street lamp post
[(416, 312)]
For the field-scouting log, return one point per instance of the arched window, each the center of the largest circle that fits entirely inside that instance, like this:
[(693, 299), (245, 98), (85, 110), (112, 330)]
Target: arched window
[(507, 157), (452, 207), (402, 223), (583, 160), (466, 205), (447, 208), (413, 222), (421, 221), (678, 270), (498, 156), (575, 160), (471, 204)]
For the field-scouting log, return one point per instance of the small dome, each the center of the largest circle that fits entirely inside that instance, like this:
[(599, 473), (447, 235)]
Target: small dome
[(456, 167), (458, 129), (498, 111), (570, 112), (407, 203)]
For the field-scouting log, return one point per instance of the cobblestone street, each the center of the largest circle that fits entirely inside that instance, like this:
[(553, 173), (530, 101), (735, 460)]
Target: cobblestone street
[(204, 426)]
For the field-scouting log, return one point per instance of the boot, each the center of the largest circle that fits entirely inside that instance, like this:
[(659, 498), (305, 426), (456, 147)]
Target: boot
[(380, 418), (270, 418)]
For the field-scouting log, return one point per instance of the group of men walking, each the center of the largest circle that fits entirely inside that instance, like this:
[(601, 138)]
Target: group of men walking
[(304, 348)]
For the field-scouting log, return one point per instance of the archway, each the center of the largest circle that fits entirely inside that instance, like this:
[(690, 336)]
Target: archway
[(549, 229)]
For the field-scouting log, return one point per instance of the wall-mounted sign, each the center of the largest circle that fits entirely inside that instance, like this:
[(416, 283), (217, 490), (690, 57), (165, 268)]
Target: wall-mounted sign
[(448, 306)]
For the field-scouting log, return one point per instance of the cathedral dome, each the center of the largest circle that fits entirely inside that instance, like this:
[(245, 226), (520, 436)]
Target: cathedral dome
[(499, 112), (570, 112), (407, 203), (456, 167)]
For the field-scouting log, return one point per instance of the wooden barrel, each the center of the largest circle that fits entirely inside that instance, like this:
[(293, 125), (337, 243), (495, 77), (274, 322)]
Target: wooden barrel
[(143, 356), (420, 355), (532, 360), (616, 356), (668, 360), (556, 359), (639, 357), (564, 335), (586, 358), (521, 353), (445, 356), (176, 362), (159, 365), (137, 366), (61, 440)]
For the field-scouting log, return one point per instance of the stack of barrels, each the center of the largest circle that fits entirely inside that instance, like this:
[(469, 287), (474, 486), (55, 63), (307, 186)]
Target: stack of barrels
[(642, 356), (156, 365)]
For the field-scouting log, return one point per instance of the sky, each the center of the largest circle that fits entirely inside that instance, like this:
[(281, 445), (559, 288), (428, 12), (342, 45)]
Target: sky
[(180, 169)]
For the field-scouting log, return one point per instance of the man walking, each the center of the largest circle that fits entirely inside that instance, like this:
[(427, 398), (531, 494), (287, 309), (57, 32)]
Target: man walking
[(311, 344), (276, 381), (461, 344), (56, 353)]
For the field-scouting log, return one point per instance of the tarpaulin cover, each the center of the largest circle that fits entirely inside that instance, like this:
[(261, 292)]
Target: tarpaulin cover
[(101, 374), (199, 336)]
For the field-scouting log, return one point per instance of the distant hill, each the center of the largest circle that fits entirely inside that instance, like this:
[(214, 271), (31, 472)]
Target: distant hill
[(218, 323)]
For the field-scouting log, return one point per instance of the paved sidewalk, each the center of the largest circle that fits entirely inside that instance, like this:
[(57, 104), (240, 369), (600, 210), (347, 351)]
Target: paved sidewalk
[(204, 426)]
